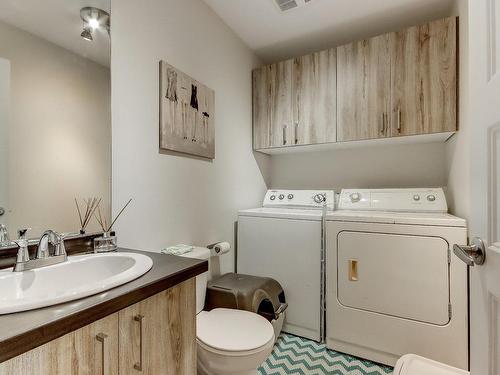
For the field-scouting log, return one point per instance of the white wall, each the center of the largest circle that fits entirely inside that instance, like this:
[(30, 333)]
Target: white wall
[(416, 165), (59, 132), (457, 152), (176, 198)]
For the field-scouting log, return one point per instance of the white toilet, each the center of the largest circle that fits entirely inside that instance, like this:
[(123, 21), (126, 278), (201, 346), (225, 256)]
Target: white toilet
[(232, 342), (411, 364)]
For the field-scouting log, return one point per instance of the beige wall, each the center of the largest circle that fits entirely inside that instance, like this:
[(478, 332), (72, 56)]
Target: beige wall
[(387, 166), (176, 198), (60, 134)]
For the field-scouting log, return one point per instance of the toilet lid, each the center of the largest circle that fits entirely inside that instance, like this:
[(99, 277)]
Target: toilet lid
[(233, 330)]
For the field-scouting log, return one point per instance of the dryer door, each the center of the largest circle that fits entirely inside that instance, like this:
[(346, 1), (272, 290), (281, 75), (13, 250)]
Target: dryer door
[(399, 275)]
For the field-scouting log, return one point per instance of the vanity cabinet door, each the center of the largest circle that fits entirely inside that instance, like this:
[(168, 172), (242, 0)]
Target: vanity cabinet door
[(424, 79), (272, 105), (158, 334), (314, 98), (91, 350), (364, 89)]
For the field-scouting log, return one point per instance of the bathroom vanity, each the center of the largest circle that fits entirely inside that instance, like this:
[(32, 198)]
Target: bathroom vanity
[(145, 326)]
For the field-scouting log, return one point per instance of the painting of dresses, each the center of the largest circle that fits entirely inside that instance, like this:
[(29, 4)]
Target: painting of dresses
[(187, 122)]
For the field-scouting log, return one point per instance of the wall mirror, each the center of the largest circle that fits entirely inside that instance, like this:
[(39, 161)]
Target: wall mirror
[(55, 113)]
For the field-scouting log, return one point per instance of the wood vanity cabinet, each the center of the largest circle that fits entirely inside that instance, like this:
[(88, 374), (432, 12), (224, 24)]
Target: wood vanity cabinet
[(294, 101), (158, 335), (154, 336), (424, 78), (364, 89), (90, 350)]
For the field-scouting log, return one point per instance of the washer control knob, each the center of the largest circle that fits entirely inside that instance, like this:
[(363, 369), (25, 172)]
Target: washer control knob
[(272, 197), (416, 197), (431, 198), (281, 197), (319, 198), (290, 196), (355, 197)]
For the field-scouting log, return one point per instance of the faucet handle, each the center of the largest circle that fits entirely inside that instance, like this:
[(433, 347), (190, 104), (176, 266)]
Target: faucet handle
[(22, 233), (60, 248)]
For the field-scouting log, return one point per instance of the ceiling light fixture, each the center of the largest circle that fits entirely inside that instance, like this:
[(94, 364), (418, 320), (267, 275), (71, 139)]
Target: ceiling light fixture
[(93, 19), (87, 34)]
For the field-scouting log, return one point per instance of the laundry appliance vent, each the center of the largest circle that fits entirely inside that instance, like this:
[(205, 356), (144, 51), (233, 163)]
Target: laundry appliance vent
[(286, 5)]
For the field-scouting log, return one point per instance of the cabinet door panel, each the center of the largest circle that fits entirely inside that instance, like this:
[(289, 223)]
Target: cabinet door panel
[(280, 77), (163, 341), (261, 109), (424, 79), (364, 84), (314, 98), (78, 353)]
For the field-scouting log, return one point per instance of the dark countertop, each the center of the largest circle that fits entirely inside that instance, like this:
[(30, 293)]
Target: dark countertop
[(23, 331)]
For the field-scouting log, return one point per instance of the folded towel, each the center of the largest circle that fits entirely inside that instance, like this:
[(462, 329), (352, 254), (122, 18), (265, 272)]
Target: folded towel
[(178, 249)]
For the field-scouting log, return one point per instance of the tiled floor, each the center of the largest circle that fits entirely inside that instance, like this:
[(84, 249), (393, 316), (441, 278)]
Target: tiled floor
[(295, 355)]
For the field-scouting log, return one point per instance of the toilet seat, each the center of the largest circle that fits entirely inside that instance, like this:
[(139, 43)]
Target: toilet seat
[(233, 332), (411, 364)]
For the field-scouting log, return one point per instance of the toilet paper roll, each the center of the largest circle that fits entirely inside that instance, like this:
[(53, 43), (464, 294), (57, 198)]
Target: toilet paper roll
[(221, 248)]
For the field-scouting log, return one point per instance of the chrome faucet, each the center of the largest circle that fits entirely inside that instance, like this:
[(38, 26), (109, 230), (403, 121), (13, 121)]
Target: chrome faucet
[(4, 235), (42, 258)]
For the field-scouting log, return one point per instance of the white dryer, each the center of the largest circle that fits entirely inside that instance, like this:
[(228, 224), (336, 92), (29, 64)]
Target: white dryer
[(282, 240), (392, 285)]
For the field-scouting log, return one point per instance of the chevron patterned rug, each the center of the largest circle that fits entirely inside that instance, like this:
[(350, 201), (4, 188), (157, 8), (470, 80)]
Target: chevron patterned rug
[(296, 355)]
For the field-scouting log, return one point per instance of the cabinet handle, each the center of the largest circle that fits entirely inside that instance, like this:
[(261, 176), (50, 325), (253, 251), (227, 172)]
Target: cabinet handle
[(399, 120), (382, 130), (284, 134), (296, 132), (101, 337), (139, 318), (353, 270)]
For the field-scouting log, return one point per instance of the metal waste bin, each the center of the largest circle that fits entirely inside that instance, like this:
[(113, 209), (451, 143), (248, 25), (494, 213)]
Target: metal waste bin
[(261, 295)]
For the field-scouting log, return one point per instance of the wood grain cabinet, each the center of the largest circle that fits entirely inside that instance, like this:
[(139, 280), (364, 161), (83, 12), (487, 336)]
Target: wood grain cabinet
[(294, 101), (364, 89), (91, 350), (154, 336), (157, 335), (314, 89), (424, 79), (396, 84)]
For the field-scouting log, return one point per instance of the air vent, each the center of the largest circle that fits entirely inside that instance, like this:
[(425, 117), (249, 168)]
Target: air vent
[(286, 5)]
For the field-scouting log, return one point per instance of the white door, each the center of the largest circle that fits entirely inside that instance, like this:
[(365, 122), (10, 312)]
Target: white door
[(484, 220), (4, 135)]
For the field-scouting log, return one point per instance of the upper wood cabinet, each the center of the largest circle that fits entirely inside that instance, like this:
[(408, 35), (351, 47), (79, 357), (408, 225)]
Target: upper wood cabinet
[(396, 84), (272, 100), (364, 89), (294, 101), (314, 89), (424, 78)]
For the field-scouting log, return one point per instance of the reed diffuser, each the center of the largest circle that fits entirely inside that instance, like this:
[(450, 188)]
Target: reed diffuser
[(90, 205), (107, 242)]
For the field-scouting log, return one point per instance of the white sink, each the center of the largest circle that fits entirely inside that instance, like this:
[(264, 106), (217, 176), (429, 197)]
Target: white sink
[(80, 276)]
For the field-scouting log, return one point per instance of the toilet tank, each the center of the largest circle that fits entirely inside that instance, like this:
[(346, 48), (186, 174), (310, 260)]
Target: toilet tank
[(202, 279)]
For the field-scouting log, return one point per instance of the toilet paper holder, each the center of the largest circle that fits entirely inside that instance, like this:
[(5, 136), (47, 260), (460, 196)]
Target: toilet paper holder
[(218, 248)]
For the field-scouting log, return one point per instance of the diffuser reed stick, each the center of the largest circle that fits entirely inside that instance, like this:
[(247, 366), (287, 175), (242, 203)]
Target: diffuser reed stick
[(91, 204), (101, 218)]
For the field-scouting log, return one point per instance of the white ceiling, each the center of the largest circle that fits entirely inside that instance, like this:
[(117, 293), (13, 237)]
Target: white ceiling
[(274, 35), (58, 21)]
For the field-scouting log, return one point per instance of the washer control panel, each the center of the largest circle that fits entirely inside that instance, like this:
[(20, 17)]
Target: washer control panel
[(412, 200), (299, 199)]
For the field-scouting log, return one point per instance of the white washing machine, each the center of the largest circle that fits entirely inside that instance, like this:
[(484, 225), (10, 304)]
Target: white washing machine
[(392, 285), (283, 240)]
